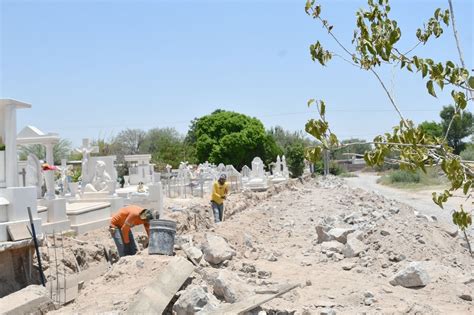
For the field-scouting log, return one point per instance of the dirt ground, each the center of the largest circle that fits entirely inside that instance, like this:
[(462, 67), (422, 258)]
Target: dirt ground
[(275, 232)]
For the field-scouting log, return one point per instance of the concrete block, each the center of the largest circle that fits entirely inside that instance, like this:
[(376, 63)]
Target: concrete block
[(31, 300)]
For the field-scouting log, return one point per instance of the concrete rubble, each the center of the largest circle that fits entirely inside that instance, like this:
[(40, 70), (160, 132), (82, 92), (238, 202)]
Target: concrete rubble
[(413, 275), (216, 250), (350, 251)]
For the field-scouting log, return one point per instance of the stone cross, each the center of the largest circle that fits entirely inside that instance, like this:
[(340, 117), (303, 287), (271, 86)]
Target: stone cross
[(23, 176)]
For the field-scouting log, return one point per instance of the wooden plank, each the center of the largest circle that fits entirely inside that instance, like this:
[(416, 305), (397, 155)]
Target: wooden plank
[(154, 298), (252, 302), (18, 231)]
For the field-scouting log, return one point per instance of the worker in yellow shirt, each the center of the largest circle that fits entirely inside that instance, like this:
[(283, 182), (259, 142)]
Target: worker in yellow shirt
[(220, 189)]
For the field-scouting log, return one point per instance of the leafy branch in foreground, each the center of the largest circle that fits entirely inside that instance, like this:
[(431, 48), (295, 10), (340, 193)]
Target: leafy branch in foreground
[(375, 44)]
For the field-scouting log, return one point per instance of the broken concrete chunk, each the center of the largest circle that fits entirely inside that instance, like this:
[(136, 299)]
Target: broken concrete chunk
[(359, 235), (348, 266), (327, 311), (193, 252), (412, 276), (264, 274), (323, 236), (230, 288), (271, 257), (33, 299), (248, 268), (195, 299), (332, 246), (339, 234), (216, 250), (353, 248)]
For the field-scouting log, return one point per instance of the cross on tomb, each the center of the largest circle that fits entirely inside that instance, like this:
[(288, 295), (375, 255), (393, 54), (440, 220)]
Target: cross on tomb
[(23, 176)]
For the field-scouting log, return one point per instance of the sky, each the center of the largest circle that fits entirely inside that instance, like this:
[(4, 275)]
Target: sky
[(93, 68)]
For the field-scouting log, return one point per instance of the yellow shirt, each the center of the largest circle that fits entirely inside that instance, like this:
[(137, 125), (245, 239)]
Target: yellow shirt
[(219, 191)]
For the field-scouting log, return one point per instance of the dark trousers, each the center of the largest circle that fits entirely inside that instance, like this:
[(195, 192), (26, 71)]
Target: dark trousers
[(122, 248), (218, 210)]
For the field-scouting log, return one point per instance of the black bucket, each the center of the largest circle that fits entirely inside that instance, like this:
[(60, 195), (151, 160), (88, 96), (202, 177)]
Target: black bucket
[(162, 233)]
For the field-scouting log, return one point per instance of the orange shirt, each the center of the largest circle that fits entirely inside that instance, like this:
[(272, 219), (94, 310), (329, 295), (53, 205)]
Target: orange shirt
[(127, 218)]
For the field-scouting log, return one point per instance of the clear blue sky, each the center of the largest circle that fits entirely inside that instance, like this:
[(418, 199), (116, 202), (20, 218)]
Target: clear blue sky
[(92, 68)]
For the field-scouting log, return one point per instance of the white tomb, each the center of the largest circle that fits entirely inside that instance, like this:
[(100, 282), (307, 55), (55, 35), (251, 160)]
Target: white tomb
[(97, 201), (140, 169), (14, 200), (51, 208), (258, 180), (280, 171)]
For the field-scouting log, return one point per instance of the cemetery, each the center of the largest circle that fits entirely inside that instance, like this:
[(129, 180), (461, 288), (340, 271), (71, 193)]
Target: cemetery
[(180, 159), (233, 259)]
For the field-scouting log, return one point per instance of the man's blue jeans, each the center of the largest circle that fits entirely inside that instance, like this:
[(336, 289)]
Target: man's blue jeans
[(124, 249), (218, 210)]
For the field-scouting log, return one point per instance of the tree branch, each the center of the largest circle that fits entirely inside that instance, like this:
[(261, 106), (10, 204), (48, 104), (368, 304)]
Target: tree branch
[(389, 96)]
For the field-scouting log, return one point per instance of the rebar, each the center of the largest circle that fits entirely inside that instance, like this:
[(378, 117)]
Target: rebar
[(57, 267), (64, 267), (50, 269)]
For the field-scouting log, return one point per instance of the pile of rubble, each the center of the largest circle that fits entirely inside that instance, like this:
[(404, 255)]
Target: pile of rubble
[(313, 247)]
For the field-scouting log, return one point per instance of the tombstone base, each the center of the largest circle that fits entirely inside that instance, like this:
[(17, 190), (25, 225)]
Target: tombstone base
[(4, 237)]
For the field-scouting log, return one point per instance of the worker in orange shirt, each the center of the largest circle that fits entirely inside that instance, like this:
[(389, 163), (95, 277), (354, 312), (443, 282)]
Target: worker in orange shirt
[(121, 224)]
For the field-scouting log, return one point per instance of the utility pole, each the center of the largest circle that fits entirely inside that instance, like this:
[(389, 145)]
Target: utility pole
[(326, 158)]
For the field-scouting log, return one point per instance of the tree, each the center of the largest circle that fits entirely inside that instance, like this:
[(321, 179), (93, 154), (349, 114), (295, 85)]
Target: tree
[(357, 146), (231, 138), (130, 140), (432, 128), (285, 138), (461, 127), (166, 146), (295, 159), (61, 150), (376, 44)]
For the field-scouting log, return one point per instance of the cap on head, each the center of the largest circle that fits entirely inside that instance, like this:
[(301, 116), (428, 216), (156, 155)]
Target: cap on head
[(223, 177), (147, 214)]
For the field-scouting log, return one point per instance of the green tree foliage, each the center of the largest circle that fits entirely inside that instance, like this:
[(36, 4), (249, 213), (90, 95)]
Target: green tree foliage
[(432, 128), (357, 146), (231, 138), (285, 138), (166, 146), (461, 127), (61, 150), (295, 158)]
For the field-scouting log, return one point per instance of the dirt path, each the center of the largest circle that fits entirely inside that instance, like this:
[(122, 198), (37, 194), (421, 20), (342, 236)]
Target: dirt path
[(421, 200)]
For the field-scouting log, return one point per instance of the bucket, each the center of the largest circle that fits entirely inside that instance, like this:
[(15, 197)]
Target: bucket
[(162, 234)]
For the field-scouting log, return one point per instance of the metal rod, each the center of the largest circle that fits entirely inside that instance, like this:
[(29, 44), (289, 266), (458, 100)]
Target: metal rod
[(56, 263), (35, 240), (50, 269), (64, 267)]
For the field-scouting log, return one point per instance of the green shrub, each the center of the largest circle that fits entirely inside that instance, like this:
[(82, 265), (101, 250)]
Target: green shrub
[(2, 147), (468, 153), (402, 176), (295, 159), (406, 179), (334, 168)]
